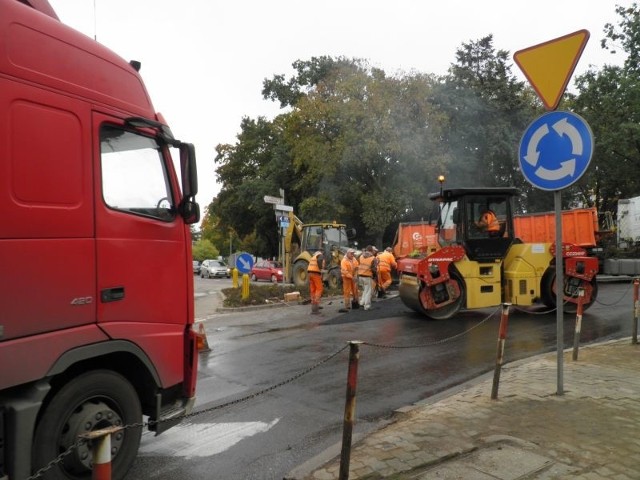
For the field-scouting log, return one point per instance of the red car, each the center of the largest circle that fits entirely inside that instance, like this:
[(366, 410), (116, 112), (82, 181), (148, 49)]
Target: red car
[(267, 270)]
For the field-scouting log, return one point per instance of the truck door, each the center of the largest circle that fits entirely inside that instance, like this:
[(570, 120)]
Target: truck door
[(141, 244)]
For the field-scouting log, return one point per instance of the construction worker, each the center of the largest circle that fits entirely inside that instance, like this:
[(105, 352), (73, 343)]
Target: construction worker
[(386, 262), (489, 223), (314, 272), (349, 272), (366, 274)]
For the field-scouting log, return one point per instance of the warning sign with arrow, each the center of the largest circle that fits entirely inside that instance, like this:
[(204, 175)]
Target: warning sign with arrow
[(548, 66)]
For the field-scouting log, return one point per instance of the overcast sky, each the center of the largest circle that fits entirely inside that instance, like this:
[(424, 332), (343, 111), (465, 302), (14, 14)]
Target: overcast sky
[(204, 61)]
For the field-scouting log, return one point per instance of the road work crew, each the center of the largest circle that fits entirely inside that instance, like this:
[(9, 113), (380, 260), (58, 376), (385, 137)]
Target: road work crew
[(386, 261), (366, 274), (314, 272), (349, 271)]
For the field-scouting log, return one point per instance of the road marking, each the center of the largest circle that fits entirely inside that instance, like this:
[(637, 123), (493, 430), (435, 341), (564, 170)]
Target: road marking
[(201, 439)]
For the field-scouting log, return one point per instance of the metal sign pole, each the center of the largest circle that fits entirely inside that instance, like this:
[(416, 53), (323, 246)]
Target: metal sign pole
[(559, 290)]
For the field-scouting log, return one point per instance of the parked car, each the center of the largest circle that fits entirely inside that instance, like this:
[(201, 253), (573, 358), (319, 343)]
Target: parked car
[(267, 270), (196, 267), (213, 269)]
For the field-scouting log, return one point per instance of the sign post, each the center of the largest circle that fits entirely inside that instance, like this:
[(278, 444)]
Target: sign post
[(556, 148)]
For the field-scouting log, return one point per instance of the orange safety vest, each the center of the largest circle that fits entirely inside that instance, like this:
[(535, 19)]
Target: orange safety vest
[(313, 263), (386, 261), (491, 221), (348, 268), (365, 268)]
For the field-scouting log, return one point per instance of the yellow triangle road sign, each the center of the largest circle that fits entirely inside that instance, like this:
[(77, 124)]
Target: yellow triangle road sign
[(548, 66)]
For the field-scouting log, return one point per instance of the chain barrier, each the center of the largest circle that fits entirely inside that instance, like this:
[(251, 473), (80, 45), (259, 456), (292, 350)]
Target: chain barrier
[(435, 342), (624, 294), (298, 375), (60, 458)]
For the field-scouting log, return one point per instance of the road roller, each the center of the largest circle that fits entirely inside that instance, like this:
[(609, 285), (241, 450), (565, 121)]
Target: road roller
[(480, 265)]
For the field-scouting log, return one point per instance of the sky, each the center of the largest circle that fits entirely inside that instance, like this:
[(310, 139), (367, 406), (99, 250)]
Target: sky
[(204, 61)]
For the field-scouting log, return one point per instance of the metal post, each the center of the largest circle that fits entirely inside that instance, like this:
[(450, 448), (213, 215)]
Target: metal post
[(502, 335), (349, 409), (636, 311), (557, 200), (576, 333)]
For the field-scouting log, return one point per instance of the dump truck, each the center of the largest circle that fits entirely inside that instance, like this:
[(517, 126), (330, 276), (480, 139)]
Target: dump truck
[(91, 335), (470, 269), (303, 240)]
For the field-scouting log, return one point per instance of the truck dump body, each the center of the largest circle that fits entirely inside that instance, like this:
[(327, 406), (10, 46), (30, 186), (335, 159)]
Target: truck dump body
[(579, 227)]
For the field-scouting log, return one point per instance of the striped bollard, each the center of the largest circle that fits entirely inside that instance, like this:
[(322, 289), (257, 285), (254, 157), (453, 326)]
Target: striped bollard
[(502, 335), (349, 409), (101, 451), (576, 333)]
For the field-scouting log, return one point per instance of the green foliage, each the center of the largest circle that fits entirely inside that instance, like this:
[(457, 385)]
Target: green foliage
[(362, 147), (204, 249)]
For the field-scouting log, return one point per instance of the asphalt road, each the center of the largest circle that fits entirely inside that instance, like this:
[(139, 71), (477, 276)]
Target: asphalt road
[(272, 431)]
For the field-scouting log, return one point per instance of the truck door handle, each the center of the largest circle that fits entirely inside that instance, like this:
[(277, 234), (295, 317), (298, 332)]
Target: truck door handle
[(112, 294)]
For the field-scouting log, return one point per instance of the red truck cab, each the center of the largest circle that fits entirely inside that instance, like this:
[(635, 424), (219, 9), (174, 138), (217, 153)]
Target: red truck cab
[(95, 250)]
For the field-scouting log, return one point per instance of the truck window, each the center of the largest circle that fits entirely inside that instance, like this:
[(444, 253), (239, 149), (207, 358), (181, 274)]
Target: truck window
[(134, 177)]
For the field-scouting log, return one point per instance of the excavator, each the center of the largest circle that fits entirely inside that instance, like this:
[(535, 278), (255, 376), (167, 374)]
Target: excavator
[(470, 268), (303, 240)]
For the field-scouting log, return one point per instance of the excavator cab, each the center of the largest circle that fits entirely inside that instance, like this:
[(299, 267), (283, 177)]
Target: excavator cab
[(459, 224)]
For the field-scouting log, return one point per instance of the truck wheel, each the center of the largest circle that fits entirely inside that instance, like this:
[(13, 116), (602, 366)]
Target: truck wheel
[(300, 274), (91, 401)]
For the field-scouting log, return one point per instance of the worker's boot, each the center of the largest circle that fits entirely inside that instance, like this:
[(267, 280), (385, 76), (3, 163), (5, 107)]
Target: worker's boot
[(315, 308)]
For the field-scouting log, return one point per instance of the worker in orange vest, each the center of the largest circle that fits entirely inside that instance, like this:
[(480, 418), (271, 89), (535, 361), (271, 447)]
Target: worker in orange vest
[(386, 262), (489, 223), (349, 272), (366, 275), (314, 272)]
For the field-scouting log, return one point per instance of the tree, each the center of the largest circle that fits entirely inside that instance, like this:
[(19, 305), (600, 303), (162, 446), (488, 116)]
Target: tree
[(204, 249), (487, 110), (609, 100)]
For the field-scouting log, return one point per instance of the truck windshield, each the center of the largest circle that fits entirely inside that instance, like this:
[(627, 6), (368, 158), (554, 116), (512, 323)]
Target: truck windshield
[(134, 175)]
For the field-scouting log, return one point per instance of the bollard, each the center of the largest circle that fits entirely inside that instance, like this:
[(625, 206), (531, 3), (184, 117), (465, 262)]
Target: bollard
[(502, 335), (101, 451), (576, 333), (234, 277), (245, 286), (636, 311), (349, 409)]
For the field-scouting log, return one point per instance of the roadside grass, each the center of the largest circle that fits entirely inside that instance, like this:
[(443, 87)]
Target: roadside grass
[(268, 293)]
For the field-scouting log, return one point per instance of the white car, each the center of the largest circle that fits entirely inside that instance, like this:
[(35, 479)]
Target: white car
[(214, 269)]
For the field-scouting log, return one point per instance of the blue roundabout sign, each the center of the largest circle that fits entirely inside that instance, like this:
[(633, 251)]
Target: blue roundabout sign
[(555, 150)]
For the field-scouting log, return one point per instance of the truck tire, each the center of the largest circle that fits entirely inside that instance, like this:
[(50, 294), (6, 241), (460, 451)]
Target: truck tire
[(300, 278), (91, 401)]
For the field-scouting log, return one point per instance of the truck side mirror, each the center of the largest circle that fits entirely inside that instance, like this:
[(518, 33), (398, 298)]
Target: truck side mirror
[(189, 170), (189, 211)]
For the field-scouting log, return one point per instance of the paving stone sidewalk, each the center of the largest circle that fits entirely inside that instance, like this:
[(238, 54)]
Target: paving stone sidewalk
[(529, 432)]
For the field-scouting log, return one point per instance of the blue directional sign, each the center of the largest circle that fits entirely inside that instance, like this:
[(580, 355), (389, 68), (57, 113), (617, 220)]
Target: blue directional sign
[(555, 150), (244, 263)]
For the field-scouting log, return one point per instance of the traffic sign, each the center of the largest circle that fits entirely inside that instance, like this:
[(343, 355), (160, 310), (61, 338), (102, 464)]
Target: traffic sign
[(555, 150), (274, 200), (244, 263), (548, 66), (284, 208)]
